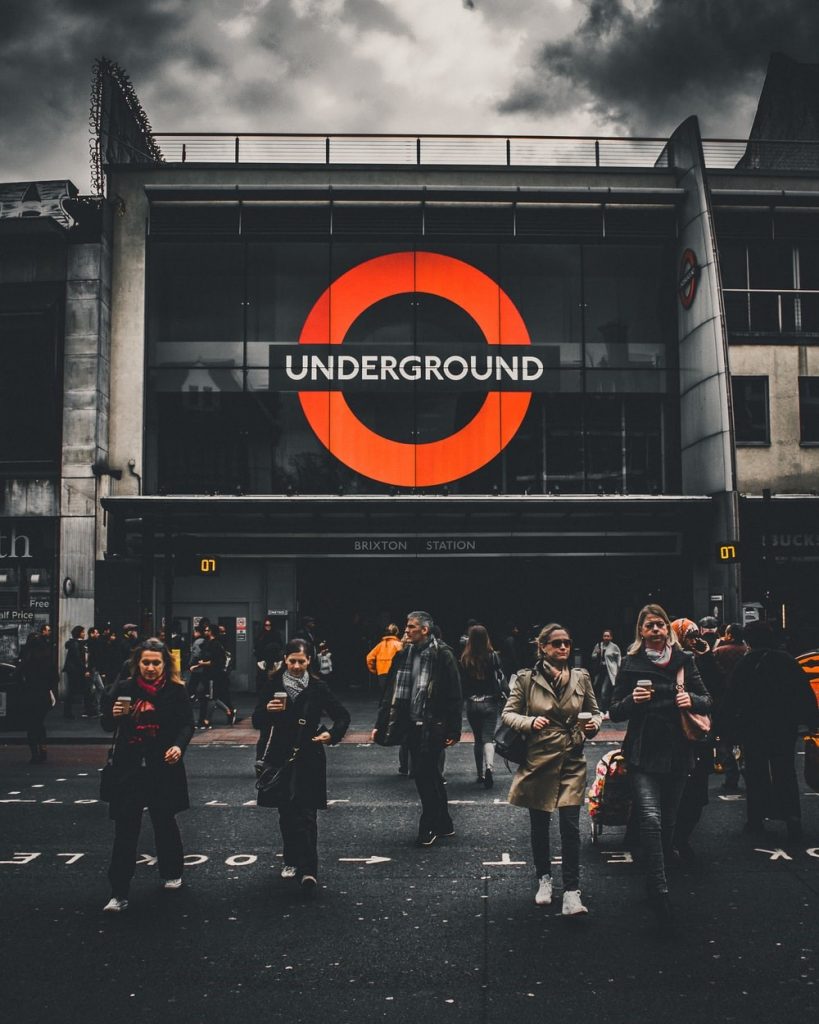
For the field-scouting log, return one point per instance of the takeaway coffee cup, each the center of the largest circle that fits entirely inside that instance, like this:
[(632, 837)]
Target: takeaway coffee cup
[(127, 702), (282, 696), (584, 716)]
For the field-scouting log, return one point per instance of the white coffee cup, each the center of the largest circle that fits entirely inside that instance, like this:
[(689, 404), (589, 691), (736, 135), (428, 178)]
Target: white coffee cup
[(584, 716)]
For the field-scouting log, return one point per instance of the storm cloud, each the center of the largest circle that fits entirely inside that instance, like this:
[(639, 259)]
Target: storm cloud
[(417, 66), (644, 66)]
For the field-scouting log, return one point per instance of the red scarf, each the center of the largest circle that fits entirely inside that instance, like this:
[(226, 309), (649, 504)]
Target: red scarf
[(144, 716)]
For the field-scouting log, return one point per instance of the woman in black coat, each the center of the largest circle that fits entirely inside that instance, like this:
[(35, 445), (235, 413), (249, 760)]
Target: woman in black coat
[(768, 698), (658, 755), (153, 719), (297, 737)]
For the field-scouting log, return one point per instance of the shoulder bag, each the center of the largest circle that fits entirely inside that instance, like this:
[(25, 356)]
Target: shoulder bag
[(275, 781), (500, 678), (695, 727), (510, 743)]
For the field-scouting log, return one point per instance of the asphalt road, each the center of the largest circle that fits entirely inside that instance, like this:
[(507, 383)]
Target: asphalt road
[(451, 930)]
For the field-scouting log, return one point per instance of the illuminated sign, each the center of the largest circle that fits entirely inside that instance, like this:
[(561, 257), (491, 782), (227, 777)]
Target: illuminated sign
[(728, 552), (207, 566), (689, 276), (505, 363)]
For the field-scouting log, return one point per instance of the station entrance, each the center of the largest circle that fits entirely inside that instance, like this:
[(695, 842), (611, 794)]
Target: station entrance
[(357, 563), (352, 599)]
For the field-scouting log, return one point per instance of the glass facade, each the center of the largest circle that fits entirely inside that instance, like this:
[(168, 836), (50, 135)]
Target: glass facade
[(227, 410)]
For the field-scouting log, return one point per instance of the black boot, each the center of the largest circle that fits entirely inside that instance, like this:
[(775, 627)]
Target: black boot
[(35, 753)]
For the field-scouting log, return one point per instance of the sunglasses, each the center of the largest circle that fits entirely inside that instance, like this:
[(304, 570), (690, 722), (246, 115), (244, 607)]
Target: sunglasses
[(557, 643)]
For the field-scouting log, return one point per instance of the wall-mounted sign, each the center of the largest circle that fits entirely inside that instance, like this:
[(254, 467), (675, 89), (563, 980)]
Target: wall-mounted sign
[(241, 628), (728, 552), (688, 278), (356, 444)]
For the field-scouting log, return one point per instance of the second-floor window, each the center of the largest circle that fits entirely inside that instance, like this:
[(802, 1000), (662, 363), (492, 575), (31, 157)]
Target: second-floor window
[(751, 410), (809, 410)]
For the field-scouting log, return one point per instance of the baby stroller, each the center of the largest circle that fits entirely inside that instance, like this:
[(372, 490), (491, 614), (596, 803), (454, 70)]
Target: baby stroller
[(609, 796)]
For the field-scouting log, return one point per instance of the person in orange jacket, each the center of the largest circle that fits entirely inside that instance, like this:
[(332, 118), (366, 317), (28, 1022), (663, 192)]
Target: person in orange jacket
[(379, 660), (380, 657)]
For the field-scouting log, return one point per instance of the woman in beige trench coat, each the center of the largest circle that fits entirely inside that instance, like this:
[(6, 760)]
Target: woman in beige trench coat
[(545, 705)]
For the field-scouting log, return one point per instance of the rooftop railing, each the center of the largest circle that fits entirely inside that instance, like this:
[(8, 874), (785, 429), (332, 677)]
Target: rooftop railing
[(476, 150)]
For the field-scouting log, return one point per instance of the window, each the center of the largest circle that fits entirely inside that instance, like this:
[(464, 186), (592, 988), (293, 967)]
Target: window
[(809, 410), (751, 420), (29, 396)]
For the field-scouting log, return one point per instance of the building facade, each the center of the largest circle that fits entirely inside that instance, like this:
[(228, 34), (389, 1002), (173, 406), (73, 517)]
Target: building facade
[(516, 380)]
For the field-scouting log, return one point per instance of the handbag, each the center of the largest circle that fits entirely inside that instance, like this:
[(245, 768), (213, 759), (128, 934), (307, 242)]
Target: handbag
[(274, 783), (812, 761), (695, 726), (511, 744), (500, 678)]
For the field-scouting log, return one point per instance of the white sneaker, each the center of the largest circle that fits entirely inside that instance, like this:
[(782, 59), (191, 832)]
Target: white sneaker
[(288, 871), (572, 904), (172, 883), (115, 906), (543, 896)]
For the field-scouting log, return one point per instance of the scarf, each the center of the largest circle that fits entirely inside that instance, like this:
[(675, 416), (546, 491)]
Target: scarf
[(413, 675), (294, 685), (144, 714), (659, 658), (558, 677)]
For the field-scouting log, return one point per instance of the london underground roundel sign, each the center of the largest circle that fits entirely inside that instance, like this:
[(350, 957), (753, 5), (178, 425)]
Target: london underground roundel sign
[(396, 462)]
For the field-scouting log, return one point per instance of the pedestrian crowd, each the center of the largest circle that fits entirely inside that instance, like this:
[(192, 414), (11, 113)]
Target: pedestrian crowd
[(695, 701)]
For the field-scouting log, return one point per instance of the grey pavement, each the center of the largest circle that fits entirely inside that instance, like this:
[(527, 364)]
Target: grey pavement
[(396, 933)]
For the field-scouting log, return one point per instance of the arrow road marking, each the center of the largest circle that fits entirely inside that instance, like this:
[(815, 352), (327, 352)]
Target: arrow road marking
[(774, 854), (364, 860), (505, 861)]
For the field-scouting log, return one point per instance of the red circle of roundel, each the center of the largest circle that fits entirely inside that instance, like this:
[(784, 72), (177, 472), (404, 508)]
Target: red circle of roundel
[(397, 462), (689, 271)]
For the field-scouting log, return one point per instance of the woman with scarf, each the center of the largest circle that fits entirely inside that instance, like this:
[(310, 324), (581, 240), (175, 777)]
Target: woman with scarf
[(152, 721), (298, 737), (545, 704), (658, 755)]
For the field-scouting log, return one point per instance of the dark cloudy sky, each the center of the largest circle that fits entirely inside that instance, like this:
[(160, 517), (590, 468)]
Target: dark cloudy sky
[(634, 67)]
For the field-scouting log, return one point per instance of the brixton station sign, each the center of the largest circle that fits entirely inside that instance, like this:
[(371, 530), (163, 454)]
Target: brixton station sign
[(505, 365)]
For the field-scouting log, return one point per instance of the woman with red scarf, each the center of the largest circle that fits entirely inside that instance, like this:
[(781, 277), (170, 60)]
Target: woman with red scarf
[(152, 720)]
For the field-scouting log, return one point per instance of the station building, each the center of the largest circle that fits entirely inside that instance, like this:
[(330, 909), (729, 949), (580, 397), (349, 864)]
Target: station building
[(512, 379)]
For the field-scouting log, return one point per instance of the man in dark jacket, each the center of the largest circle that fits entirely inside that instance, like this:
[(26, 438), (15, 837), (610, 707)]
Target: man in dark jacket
[(768, 699), (422, 705), (78, 676)]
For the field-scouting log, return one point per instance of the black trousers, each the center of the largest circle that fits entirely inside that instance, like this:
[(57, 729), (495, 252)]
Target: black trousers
[(299, 828), (170, 855), (569, 818), (429, 782), (771, 787)]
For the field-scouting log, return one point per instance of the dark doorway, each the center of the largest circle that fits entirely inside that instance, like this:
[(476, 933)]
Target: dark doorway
[(353, 599)]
